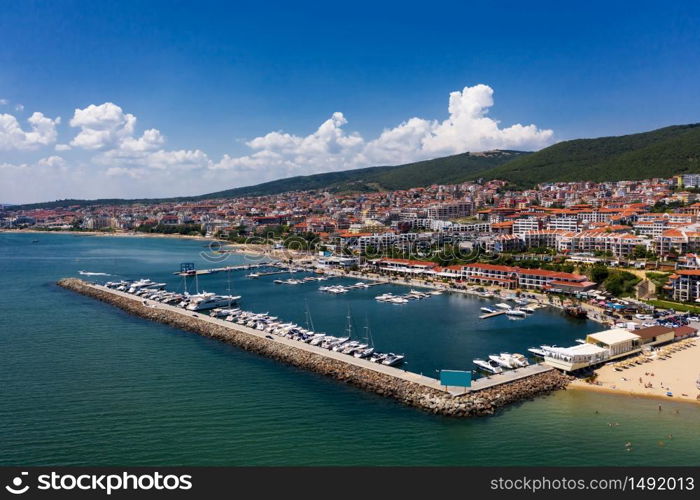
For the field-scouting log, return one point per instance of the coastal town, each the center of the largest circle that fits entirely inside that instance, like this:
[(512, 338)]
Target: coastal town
[(620, 253)]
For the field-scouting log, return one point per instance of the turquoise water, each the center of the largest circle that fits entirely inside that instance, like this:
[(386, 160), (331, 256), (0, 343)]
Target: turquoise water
[(83, 383)]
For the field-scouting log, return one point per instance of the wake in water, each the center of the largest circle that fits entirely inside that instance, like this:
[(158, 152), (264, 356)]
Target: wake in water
[(88, 273)]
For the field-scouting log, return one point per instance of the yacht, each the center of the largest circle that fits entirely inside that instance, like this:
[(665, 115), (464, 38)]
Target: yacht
[(205, 301), (364, 353), (503, 305), (504, 359), (384, 297), (487, 310), (377, 357), (398, 300), (520, 360), (516, 312), (393, 359), (528, 310), (144, 283), (489, 366), (542, 351)]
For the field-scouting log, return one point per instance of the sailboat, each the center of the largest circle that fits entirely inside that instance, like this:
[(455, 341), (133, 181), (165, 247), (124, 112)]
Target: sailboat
[(369, 350)]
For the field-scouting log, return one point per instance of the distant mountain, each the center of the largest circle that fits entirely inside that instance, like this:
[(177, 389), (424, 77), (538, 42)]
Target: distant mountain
[(660, 153), (447, 170)]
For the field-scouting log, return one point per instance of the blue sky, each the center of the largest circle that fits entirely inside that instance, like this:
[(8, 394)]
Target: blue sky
[(214, 79)]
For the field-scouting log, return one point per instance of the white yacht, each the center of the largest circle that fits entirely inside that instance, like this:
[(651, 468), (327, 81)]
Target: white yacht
[(520, 359), (487, 310), (504, 359), (489, 366), (503, 305), (516, 312), (397, 300), (144, 283), (392, 359), (205, 301)]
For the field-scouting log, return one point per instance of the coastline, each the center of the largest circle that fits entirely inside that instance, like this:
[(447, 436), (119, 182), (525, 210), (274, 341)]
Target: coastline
[(654, 379), (580, 385)]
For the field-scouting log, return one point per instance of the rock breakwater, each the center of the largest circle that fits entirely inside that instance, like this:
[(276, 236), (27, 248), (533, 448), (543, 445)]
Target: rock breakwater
[(476, 403)]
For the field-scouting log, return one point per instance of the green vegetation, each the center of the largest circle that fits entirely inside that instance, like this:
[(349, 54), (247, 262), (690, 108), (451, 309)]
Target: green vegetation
[(659, 153), (621, 283), (676, 306), (659, 279), (185, 229)]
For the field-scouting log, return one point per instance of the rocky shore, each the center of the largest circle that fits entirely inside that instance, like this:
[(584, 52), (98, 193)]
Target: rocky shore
[(484, 402)]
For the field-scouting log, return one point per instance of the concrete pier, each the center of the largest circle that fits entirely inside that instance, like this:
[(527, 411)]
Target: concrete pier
[(409, 388)]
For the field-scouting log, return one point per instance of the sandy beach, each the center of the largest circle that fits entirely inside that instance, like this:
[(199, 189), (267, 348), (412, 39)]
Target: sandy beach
[(677, 374)]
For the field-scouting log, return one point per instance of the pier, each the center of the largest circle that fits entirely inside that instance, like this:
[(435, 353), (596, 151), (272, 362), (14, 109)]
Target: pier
[(491, 315), (214, 270), (426, 393)]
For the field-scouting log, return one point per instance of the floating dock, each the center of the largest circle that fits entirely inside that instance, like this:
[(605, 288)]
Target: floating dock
[(214, 270), (426, 393), (491, 315)]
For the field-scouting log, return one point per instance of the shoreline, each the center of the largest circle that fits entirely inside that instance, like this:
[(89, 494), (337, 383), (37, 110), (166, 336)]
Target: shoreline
[(580, 385), (675, 372)]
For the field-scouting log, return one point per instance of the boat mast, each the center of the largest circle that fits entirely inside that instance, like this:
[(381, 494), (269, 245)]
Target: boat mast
[(228, 279), (309, 320), (368, 333), (348, 329)]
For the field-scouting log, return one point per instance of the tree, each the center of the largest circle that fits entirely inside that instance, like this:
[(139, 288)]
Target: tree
[(599, 272)]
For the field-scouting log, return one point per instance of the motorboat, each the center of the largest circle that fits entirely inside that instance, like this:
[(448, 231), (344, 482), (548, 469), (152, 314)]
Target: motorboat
[(503, 305), (542, 351), (205, 301), (516, 312), (504, 360), (398, 300), (488, 366), (520, 360), (487, 310), (393, 359)]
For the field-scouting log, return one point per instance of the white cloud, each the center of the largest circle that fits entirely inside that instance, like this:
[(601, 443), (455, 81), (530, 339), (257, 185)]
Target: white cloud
[(4, 102), (109, 158), (42, 132), (101, 126), (468, 128), (19, 107), (52, 161)]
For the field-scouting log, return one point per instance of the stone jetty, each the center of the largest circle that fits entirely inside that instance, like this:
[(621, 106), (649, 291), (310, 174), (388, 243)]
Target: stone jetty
[(380, 381)]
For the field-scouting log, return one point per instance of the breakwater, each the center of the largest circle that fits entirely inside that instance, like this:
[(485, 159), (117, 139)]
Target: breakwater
[(408, 388)]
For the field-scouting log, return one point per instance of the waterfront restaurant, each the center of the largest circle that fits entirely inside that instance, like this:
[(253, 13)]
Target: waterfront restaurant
[(655, 335), (599, 348), (574, 358), (617, 341)]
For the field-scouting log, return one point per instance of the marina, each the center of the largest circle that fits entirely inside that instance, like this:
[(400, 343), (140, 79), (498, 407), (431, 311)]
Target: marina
[(375, 373), (223, 394)]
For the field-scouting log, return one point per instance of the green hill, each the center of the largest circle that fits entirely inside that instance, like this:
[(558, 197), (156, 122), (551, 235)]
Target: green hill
[(447, 170), (659, 153)]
